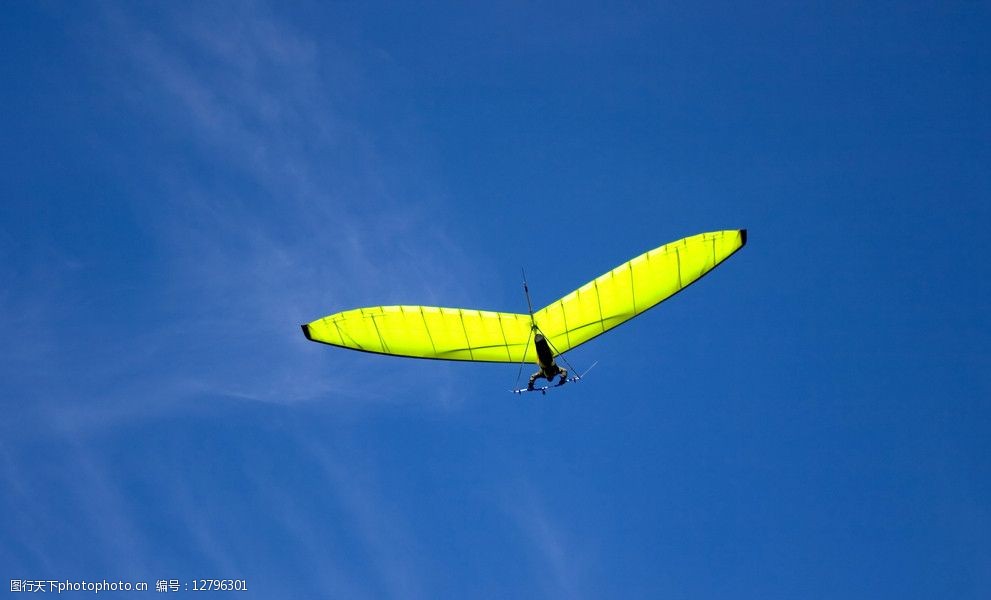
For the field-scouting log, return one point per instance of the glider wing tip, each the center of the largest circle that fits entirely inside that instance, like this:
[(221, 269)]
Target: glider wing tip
[(743, 237), (306, 331)]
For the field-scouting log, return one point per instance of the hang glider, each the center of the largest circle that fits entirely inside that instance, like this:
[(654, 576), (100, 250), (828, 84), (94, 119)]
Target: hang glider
[(485, 336)]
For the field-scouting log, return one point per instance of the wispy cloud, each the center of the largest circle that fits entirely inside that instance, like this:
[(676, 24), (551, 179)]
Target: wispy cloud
[(391, 548), (556, 553), (94, 504), (19, 492), (316, 216), (128, 514), (265, 205)]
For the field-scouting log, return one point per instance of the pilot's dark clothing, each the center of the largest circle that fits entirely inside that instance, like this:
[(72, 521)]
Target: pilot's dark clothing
[(549, 376), (545, 360)]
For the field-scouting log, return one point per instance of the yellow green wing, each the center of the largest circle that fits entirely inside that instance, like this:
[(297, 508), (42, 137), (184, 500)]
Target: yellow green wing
[(477, 335), (633, 287), (427, 332)]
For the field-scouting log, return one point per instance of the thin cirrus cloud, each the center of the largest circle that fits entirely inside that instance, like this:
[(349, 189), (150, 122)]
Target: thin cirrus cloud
[(280, 210), (555, 553)]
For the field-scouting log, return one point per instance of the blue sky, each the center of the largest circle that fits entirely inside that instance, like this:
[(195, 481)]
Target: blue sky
[(183, 184)]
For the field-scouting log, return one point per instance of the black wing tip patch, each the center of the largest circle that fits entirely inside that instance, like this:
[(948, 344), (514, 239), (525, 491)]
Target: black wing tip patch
[(306, 331), (743, 237)]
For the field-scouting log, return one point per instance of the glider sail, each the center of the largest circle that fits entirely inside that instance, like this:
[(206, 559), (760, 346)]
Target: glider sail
[(633, 287), (427, 332), (476, 335)]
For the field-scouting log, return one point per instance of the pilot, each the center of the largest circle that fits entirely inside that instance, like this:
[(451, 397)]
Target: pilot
[(545, 360)]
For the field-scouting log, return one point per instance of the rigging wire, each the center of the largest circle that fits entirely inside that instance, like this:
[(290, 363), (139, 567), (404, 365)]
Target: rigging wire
[(525, 348), (565, 358), (533, 327)]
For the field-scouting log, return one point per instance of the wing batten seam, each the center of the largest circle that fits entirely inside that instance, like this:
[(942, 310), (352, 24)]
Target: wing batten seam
[(598, 303), (340, 334), (633, 290), (564, 315), (426, 328), (385, 349), (505, 340), (461, 314)]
